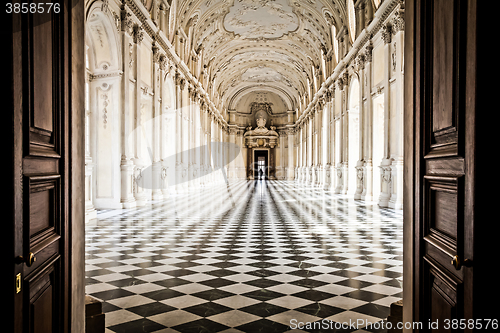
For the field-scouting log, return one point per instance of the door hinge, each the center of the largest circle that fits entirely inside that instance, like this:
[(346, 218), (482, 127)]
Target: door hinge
[(18, 283)]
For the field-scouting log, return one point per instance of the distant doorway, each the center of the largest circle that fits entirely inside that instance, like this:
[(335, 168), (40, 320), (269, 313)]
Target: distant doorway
[(261, 162)]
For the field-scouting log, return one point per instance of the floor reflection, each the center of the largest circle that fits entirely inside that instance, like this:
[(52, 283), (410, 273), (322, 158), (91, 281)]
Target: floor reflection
[(252, 256)]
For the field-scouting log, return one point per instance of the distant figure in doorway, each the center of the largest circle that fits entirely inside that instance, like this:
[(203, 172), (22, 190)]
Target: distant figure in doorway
[(260, 174)]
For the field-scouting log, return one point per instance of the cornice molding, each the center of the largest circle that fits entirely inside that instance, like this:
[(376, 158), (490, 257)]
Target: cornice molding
[(91, 77)]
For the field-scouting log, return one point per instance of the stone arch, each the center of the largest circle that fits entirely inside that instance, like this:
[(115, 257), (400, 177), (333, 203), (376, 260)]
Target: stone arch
[(102, 38)]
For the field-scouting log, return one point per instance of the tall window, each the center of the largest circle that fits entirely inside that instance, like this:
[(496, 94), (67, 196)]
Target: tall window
[(352, 19), (335, 43)]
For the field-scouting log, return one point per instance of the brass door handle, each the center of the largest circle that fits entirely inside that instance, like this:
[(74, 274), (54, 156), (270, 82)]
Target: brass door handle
[(458, 263), (29, 260)]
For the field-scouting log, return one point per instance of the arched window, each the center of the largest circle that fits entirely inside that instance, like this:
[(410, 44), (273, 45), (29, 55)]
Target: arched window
[(335, 43), (352, 20)]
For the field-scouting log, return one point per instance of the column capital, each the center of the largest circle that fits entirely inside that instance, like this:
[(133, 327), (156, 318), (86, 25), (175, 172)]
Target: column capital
[(179, 80), (368, 52), (282, 133), (332, 90), (138, 34), (387, 33), (398, 22), (127, 24), (321, 102), (360, 61), (328, 96), (156, 54), (163, 61), (191, 90)]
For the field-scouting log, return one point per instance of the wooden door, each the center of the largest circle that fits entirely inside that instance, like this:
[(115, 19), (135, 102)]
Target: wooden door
[(448, 137), (40, 100), (443, 230)]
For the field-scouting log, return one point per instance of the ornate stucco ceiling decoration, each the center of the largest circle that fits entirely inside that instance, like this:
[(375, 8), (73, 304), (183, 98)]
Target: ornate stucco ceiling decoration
[(261, 74), (261, 18), (260, 45)]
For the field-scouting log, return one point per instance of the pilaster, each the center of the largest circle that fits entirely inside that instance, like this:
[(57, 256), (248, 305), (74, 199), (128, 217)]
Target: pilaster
[(385, 170), (367, 193), (291, 153), (139, 163)]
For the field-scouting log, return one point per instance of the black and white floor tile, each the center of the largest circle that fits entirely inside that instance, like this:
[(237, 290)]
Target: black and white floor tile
[(254, 256)]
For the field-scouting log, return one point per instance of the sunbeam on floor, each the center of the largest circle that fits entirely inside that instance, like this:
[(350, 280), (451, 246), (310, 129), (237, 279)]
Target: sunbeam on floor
[(253, 256)]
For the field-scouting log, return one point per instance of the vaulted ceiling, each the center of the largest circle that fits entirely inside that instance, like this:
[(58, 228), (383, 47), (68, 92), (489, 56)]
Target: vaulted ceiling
[(253, 46)]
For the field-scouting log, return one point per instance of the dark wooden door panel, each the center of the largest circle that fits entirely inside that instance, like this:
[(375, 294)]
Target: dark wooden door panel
[(442, 66), (44, 59), (443, 42), (442, 180), (43, 299), (443, 296), (41, 244)]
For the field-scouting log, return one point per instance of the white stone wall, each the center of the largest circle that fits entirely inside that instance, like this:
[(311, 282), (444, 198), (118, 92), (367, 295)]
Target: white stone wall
[(150, 124), (361, 148)]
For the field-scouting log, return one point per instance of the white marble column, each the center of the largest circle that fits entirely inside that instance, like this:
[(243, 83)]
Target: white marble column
[(126, 162), (300, 134), (309, 152), (360, 169), (90, 212), (139, 193), (241, 152), (367, 194), (203, 143), (157, 193), (318, 147), (332, 140), (185, 137), (291, 153), (212, 137), (280, 168), (339, 137), (345, 133), (197, 141), (165, 123), (179, 86), (396, 200), (190, 136), (326, 141), (385, 166)]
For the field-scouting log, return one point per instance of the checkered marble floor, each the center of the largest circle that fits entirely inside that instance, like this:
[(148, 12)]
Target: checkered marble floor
[(254, 256)]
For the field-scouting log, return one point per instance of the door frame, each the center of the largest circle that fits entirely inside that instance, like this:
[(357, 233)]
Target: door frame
[(409, 167), (254, 161)]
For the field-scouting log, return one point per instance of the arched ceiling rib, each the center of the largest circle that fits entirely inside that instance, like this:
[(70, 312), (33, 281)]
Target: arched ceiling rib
[(252, 45)]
